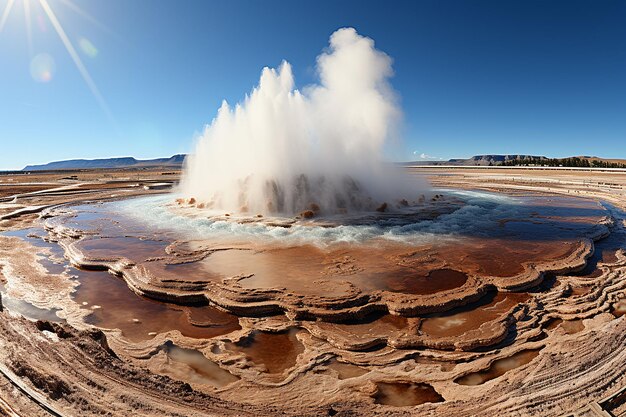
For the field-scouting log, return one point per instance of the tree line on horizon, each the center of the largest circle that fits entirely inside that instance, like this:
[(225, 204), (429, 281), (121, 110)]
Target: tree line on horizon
[(572, 162)]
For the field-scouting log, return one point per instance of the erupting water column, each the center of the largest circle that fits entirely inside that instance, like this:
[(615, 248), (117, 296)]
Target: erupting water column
[(284, 151)]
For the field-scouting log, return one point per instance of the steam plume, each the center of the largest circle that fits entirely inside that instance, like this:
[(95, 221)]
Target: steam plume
[(283, 150)]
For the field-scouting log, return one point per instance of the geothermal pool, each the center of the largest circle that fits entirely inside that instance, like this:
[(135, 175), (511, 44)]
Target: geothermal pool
[(450, 246), (455, 242), (230, 302)]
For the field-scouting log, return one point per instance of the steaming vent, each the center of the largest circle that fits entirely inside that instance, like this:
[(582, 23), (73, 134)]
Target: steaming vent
[(320, 149)]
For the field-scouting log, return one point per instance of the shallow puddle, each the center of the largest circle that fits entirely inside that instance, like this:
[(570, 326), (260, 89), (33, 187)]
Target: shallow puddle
[(604, 252), (402, 394), (115, 306), (29, 311), (346, 370), (435, 281), (132, 248), (53, 254), (192, 366), (471, 317), (30, 234), (47, 260), (26, 309), (553, 323), (276, 352), (372, 326), (499, 367)]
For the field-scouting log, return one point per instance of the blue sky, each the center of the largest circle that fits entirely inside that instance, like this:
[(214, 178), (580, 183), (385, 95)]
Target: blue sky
[(540, 77)]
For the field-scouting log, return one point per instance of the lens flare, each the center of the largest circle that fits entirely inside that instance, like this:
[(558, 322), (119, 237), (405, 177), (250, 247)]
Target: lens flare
[(41, 22), (5, 14), (29, 31), (76, 58), (87, 47), (42, 68)]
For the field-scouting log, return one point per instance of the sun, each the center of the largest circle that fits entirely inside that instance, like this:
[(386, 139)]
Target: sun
[(42, 65)]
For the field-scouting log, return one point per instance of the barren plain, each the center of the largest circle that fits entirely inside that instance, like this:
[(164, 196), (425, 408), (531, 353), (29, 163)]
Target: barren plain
[(523, 315)]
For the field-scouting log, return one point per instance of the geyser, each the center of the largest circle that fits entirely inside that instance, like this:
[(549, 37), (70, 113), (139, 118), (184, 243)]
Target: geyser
[(320, 149)]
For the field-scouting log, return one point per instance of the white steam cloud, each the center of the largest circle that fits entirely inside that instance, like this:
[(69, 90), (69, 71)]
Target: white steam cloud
[(283, 150)]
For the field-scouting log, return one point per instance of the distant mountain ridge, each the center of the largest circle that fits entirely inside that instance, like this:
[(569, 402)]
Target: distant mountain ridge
[(495, 159), (104, 163), (478, 160), (176, 161), (520, 159)]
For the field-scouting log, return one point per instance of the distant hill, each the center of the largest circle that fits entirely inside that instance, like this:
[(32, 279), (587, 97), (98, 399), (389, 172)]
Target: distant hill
[(609, 160), (517, 160), (176, 161), (125, 162), (478, 160)]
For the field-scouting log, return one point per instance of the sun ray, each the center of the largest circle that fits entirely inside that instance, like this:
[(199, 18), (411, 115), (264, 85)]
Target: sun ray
[(29, 34), (70, 4), (5, 14), (76, 58)]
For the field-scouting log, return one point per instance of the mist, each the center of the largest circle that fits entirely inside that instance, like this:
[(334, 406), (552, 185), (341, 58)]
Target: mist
[(282, 150)]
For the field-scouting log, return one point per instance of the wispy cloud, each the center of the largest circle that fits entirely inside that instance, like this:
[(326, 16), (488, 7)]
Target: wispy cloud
[(425, 157)]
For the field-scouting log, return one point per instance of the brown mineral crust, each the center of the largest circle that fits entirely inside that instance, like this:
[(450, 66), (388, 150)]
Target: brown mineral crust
[(354, 304), (403, 334), (534, 273), (362, 335), (307, 214), (578, 363), (79, 368), (25, 278), (254, 302), (273, 352), (344, 370)]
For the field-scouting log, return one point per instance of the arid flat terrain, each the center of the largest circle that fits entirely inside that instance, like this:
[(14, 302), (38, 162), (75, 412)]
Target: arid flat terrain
[(109, 313)]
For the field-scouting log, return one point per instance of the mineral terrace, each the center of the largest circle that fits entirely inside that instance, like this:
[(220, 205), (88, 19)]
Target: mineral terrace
[(102, 315)]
